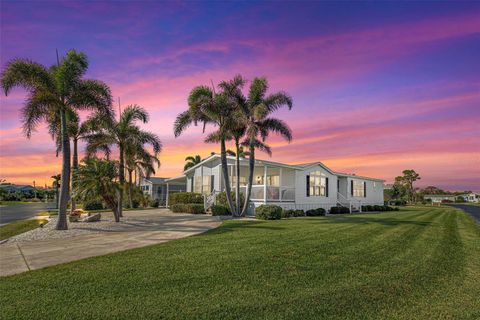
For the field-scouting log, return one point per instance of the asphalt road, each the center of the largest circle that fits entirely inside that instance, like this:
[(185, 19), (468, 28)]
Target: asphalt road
[(474, 211), (22, 211)]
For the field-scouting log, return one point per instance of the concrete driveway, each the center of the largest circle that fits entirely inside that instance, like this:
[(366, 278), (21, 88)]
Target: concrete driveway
[(149, 227), (474, 211)]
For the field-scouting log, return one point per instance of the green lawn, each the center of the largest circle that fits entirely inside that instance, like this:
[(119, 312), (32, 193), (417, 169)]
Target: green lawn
[(419, 263), (17, 227)]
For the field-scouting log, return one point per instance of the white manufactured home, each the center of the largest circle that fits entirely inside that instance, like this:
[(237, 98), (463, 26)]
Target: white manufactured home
[(300, 186)]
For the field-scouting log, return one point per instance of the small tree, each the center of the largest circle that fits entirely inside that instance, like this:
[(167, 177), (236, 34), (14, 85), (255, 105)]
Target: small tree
[(98, 177)]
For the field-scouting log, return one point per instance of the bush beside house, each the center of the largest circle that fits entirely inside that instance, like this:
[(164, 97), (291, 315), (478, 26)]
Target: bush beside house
[(185, 197), (218, 210), (193, 208), (268, 212)]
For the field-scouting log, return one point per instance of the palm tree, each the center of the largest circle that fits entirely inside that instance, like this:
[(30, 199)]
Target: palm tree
[(191, 161), (53, 91), (137, 158), (99, 177), (76, 131), (256, 114), (56, 185), (208, 107), (123, 133), (242, 153)]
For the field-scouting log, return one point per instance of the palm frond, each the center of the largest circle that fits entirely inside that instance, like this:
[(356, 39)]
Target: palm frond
[(27, 74)]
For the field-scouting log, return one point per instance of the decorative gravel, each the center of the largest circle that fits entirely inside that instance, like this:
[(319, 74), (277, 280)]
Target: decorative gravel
[(74, 229)]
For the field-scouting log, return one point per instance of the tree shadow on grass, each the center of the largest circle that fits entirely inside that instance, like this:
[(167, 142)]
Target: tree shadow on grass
[(383, 221), (260, 225)]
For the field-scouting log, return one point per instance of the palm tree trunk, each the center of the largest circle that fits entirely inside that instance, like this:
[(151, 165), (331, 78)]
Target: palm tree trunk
[(130, 188), (237, 184), (122, 182), (65, 183), (74, 173), (226, 179), (251, 168)]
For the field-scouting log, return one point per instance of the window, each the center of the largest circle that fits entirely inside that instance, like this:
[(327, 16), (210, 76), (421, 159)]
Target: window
[(198, 184), (358, 188), (272, 180), (318, 184), (207, 184), (203, 183), (243, 181)]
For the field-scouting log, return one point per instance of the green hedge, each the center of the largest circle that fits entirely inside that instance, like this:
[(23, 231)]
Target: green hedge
[(93, 205), (220, 211), (315, 212), (368, 208), (335, 210), (185, 197), (193, 208), (221, 198), (268, 212)]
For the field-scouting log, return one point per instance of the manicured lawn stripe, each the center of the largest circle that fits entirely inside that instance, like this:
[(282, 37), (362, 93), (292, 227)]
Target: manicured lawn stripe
[(419, 263)]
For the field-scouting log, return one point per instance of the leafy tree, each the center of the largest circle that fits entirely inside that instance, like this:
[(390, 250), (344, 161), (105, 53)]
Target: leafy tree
[(123, 133), (191, 161), (100, 177), (53, 91), (56, 185)]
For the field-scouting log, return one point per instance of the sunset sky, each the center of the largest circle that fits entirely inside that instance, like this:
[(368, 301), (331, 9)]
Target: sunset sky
[(377, 87)]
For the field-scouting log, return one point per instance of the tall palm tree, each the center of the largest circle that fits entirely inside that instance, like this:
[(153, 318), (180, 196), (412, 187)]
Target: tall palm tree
[(55, 90), (123, 133), (100, 177), (77, 131), (56, 184), (242, 152), (259, 123), (191, 161), (208, 107), (137, 158)]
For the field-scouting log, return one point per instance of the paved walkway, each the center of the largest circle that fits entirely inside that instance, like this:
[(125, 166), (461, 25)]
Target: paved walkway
[(474, 211), (150, 227)]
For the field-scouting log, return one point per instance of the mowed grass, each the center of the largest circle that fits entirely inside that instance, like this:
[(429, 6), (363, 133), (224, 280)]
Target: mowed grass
[(419, 263), (18, 227)]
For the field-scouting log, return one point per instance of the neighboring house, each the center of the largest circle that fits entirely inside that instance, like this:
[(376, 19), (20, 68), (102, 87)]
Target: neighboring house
[(158, 188), (471, 197), (12, 188), (301, 186), (438, 198)]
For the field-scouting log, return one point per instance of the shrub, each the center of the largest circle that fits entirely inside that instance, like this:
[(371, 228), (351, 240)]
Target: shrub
[(367, 208), (135, 203), (400, 202), (218, 210), (154, 203), (268, 212), (222, 198), (288, 213), (185, 197), (377, 208), (336, 210), (93, 205), (299, 213), (193, 208), (315, 212)]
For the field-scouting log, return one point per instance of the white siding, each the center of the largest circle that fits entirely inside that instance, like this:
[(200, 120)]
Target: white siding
[(301, 189), (374, 190)]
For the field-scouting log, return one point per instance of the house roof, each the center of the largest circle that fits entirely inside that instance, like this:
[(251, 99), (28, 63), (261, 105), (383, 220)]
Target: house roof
[(156, 180), (301, 166)]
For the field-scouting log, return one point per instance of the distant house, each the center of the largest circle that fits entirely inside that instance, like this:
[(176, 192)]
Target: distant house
[(158, 188), (471, 197), (291, 186), (439, 198), (12, 188)]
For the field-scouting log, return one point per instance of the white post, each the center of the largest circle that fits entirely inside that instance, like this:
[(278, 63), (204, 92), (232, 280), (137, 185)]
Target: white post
[(265, 183), (280, 185), (168, 195), (201, 172)]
